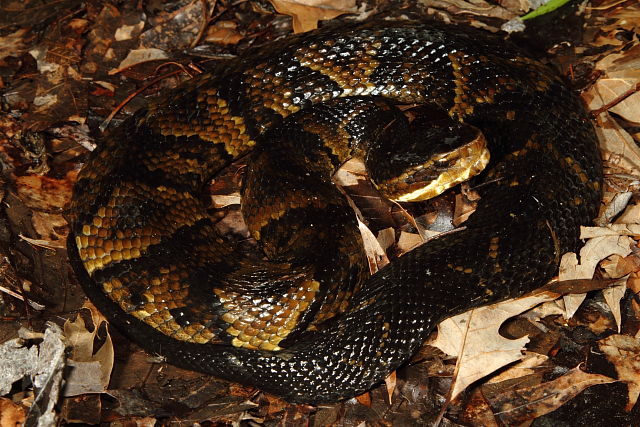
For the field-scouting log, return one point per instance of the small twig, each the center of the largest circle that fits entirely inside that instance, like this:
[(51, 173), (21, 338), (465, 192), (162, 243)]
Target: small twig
[(115, 111), (616, 101)]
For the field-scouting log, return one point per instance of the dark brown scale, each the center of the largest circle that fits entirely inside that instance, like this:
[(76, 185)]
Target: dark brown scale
[(308, 325)]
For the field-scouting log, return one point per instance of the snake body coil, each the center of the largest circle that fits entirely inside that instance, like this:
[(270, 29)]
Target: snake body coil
[(307, 323)]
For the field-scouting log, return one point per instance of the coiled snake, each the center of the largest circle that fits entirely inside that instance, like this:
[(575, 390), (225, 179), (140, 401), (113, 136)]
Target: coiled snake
[(305, 322)]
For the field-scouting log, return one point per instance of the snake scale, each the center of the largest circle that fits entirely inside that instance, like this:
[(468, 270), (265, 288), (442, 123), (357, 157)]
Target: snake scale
[(306, 322)]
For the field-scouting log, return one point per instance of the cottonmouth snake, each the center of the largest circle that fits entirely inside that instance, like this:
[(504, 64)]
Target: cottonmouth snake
[(307, 324)]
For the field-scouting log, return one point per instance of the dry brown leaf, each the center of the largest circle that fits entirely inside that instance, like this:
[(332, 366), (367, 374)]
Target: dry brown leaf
[(11, 414), (386, 238), (633, 283), (91, 370), (351, 173), (620, 150), (472, 7), (591, 254), (127, 32), (220, 201), (13, 44), (624, 353), (179, 30), (474, 338), (307, 13), (614, 204), (613, 295), (629, 108), (375, 253), (614, 89), (390, 383), (46, 198), (364, 399), (526, 366), (610, 230), (627, 60), (517, 406), (408, 241), (630, 215), (224, 32), (138, 56)]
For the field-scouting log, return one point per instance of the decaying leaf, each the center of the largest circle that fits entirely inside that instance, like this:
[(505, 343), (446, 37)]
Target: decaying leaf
[(591, 254), (180, 28), (307, 13), (612, 242), (623, 352), (43, 363), (375, 253), (138, 56), (474, 338), (224, 32), (408, 241), (220, 201), (11, 414), (515, 407), (526, 366), (91, 370), (390, 383), (617, 92), (620, 150)]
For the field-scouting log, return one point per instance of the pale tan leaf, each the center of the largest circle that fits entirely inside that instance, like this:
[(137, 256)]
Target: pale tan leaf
[(11, 414), (610, 230), (386, 238), (223, 200), (390, 383), (627, 60), (517, 406), (350, 173), (613, 90), (127, 32), (137, 56), (375, 253), (631, 215), (614, 204), (526, 366), (591, 254), (624, 353), (620, 150), (224, 32), (550, 308), (91, 370), (408, 241), (307, 13), (629, 108), (474, 338), (613, 295), (616, 267)]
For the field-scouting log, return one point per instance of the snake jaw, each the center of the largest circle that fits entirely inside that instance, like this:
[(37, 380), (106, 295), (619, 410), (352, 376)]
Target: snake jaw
[(417, 184)]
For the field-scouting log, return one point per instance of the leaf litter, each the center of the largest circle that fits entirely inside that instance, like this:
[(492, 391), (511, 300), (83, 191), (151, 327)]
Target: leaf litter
[(112, 35)]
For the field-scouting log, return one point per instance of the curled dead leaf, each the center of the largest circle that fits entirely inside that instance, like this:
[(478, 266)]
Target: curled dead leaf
[(91, 370), (475, 339), (624, 353), (307, 13), (520, 405), (137, 56)]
